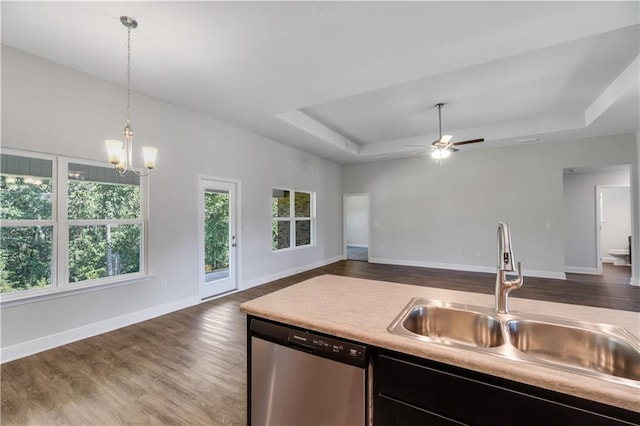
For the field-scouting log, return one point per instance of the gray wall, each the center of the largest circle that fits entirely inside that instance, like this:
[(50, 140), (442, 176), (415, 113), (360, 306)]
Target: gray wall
[(446, 215), (580, 216), (53, 109)]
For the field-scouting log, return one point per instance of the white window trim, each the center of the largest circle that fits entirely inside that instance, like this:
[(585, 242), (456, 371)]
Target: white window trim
[(292, 221), (60, 286)]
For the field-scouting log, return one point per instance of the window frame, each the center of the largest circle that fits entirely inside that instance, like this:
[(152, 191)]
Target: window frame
[(293, 219), (60, 283)]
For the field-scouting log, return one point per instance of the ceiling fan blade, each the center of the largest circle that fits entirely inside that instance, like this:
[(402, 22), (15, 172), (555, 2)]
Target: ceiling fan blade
[(420, 151), (418, 146), (469, 141), (452, 149)]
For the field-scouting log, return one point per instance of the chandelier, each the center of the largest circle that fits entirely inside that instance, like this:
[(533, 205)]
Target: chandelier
[(120, 153)]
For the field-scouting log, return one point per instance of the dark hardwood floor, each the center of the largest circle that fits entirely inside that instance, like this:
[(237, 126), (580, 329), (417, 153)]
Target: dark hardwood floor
[(188, 367)]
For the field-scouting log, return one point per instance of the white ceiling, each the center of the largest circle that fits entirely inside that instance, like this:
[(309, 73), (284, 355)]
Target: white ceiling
[(358, 81)]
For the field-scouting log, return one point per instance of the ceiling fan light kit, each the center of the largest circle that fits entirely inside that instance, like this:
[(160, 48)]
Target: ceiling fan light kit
[(440, 154), (443, 147)]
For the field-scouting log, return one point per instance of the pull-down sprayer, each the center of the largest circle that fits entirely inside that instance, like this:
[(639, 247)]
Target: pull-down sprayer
[(505, 264)]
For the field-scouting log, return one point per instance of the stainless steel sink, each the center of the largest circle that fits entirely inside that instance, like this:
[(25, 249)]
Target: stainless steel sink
[(449, 323), (595, 348)]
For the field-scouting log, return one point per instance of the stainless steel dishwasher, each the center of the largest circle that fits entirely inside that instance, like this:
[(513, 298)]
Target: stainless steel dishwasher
[(301, 378)]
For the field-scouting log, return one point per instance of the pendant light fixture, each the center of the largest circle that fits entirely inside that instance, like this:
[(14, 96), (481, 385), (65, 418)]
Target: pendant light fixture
[(120, 153)]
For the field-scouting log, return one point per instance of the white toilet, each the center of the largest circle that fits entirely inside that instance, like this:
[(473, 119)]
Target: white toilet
[(620, 256)]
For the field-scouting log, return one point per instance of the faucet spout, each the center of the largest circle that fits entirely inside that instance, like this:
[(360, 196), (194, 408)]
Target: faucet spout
[(505, 264)]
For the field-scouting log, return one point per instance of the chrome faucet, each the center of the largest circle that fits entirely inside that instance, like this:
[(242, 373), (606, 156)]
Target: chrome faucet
[(505, 264)]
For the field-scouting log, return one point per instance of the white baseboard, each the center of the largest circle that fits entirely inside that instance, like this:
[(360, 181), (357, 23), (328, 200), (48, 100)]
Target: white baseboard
[(466, 268), (282, 274), (635, 281), (544, 274), (581, 270), (435, 265), (358, 245), (607, 259), (31, 347)]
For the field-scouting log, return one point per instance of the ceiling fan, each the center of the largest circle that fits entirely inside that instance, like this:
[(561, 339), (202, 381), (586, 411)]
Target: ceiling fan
[(443, 147)]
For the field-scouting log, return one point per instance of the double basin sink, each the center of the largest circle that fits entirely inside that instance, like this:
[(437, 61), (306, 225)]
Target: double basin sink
[(597, 350)]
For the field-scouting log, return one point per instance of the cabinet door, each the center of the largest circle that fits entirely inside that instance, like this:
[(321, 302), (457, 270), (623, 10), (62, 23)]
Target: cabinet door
[(388, 412), (480, 399)]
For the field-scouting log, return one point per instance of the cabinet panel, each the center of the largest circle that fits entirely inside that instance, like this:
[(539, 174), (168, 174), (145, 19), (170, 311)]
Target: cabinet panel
[(396, 413), (474, 398)]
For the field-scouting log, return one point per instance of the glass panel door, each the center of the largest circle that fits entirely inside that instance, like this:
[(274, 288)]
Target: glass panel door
[(218, 238)]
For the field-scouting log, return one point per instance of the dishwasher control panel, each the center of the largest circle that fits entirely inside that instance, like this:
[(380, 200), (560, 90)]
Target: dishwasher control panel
[(327, 345)]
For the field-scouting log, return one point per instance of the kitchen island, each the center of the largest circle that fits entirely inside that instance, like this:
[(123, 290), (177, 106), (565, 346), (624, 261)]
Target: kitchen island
[(361, 310)]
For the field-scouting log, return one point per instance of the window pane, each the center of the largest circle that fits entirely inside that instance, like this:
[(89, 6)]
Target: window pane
[(281, 234), (25, 257), (101, 193), (303, 232), (280, 203), (103, 251), (25, 188), (303, 204), (216, 238)]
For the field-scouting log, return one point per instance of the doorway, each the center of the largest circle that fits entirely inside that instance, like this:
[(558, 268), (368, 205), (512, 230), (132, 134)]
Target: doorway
[(583, 215), (613, 230), (218, 238), (356, 227)]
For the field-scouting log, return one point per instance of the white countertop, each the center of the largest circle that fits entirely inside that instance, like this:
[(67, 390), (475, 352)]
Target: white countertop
[(361, 310)]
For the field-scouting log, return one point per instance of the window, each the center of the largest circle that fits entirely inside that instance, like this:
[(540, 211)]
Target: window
[(104, 222), (293, 219), (67, 223), (27, 232)]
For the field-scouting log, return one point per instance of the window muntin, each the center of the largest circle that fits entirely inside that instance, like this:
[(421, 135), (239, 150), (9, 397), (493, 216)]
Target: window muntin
[(292, 223), (81, 224)]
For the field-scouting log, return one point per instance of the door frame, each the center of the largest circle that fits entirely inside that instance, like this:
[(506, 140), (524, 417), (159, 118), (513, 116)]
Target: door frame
[(205, 182), (344, 223)]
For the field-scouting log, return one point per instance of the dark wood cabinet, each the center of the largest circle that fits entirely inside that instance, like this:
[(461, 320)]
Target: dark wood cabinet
[(413, 391)]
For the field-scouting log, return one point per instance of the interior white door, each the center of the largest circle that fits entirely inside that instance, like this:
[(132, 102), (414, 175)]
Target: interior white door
[(218, 240)]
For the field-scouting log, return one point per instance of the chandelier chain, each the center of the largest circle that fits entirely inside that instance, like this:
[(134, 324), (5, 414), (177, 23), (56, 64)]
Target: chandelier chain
[(128, 75)]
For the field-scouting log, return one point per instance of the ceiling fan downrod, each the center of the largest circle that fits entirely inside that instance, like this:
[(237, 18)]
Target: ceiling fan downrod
[(439, 106)]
